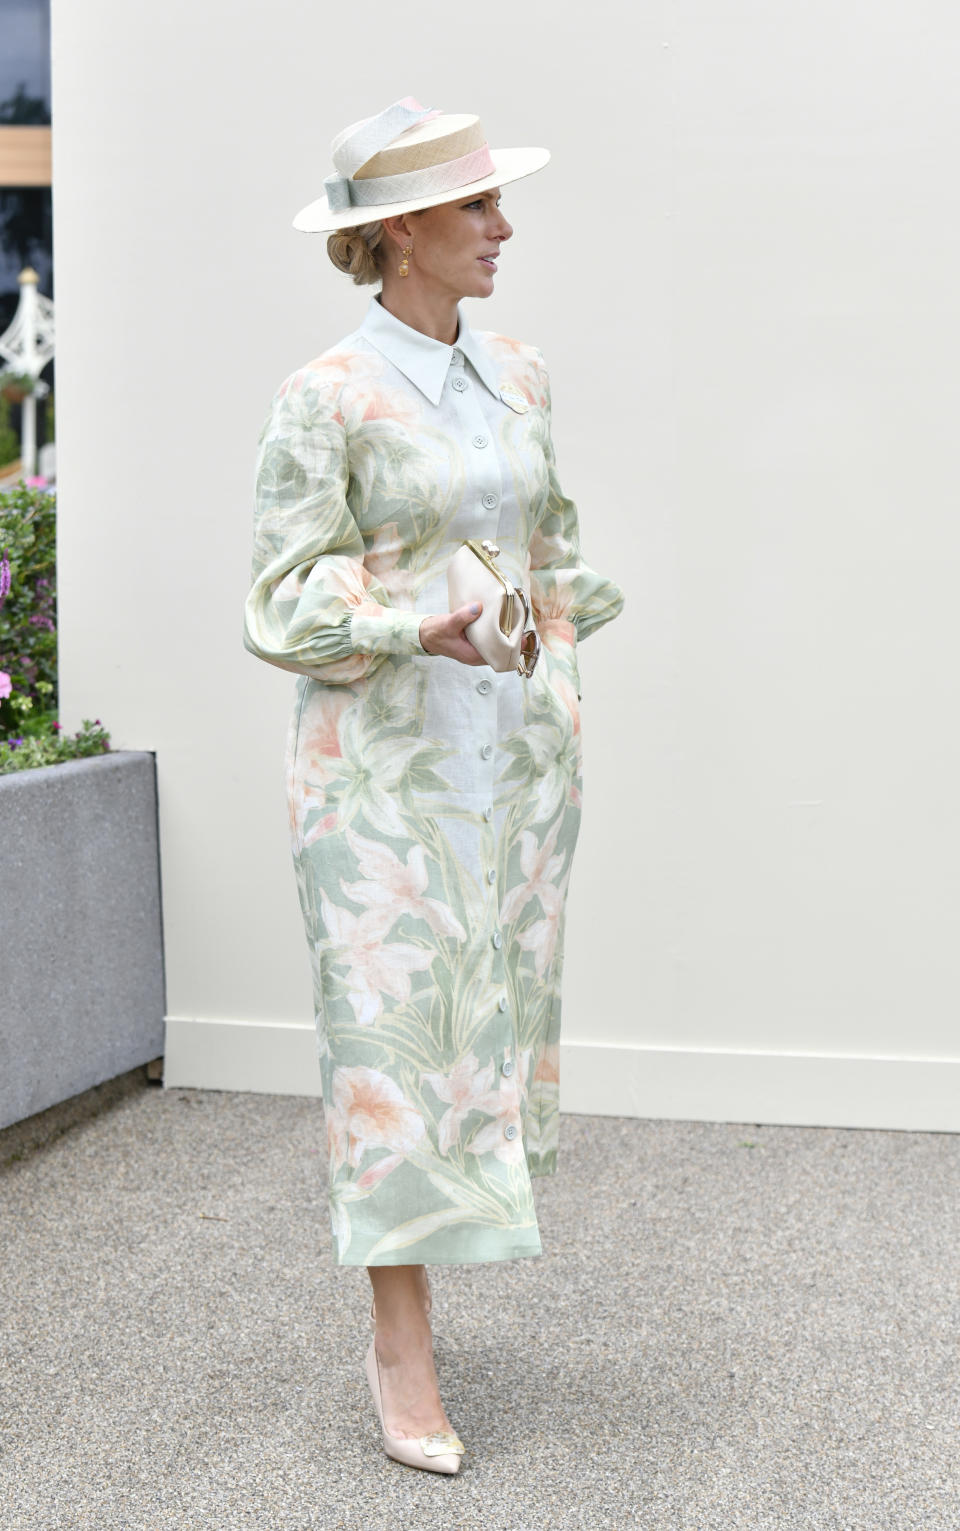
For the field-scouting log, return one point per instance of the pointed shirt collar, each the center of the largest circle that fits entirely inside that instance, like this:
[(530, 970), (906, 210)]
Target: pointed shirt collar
[(421, 359)]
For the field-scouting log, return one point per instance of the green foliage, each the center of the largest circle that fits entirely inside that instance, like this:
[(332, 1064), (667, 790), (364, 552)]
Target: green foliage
[(52, 747), (24, 381), (9, 440), (28, 631)]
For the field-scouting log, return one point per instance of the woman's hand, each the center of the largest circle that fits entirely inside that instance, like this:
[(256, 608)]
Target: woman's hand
[(444, 635)]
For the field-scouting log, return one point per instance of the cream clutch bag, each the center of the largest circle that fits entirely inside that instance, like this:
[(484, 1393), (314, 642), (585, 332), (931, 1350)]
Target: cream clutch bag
[(504, 634)]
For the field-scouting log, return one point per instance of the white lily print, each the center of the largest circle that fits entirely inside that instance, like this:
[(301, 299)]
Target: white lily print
[(392, 888), (434, 807), (541, 868), (466, 1088), (375, 966), (504, 1105)]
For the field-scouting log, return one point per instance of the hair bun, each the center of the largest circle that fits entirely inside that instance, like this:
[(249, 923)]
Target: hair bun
[(352, 251)]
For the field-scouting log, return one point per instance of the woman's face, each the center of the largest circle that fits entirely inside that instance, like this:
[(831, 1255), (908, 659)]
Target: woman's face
[(456, 245)]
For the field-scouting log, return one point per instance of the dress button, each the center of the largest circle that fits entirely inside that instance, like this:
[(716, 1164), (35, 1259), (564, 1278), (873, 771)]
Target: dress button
[(456, 358), (507, 1066), (491, 875), (488, 814), (497, 939), (460, 384), (502, 1002), (489, 502), (483, 687), (479, 441), (487, 751), (509, 1131)]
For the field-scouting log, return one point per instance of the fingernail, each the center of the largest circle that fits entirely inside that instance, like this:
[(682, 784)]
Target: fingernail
[(474, 609)]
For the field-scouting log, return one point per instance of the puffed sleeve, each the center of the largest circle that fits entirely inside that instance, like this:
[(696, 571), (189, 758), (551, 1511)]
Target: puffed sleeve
[(313, 607), (569, 599)]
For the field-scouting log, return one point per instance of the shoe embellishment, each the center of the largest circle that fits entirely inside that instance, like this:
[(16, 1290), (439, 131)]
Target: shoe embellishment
[(440, 1441)]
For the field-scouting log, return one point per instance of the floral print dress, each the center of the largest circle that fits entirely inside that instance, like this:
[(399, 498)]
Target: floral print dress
[(434, 806)]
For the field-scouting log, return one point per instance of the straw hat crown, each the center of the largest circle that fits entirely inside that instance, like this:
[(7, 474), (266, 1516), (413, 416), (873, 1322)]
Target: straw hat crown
[(409, 157)]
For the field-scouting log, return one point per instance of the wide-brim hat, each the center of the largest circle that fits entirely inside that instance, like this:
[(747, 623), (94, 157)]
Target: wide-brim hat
[(406, 158)]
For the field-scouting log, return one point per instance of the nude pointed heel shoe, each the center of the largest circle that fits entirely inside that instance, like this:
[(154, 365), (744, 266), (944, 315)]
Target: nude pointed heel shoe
[(439, 1452)]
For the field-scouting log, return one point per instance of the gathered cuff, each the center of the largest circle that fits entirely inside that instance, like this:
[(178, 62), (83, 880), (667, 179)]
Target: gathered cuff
[(396, 632)]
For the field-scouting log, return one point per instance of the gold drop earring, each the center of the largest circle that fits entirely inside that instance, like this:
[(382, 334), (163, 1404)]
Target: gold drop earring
[(404, 267)]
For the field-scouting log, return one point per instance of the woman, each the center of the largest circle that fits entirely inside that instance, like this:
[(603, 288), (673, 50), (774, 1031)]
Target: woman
[(434, 802)]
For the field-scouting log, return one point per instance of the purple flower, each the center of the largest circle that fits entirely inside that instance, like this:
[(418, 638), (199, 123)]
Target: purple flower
[(14, 742), (4, 578)]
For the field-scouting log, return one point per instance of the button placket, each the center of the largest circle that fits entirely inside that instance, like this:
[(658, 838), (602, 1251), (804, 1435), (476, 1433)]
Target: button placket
[(482, 458)]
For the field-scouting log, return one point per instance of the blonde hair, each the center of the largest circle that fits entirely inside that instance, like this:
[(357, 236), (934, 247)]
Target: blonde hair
[(355, 251)]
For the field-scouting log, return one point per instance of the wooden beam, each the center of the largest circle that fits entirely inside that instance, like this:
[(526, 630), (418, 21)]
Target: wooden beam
[(25, 158)]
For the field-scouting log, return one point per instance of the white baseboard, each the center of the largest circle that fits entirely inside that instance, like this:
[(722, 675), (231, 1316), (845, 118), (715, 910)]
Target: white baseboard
[(676, 1084)]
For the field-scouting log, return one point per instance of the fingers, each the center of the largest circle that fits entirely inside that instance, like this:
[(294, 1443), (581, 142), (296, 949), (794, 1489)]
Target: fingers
[(464, 615), (464, 650), (444, 634)]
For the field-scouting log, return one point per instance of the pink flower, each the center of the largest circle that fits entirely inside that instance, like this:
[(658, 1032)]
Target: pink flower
[(542, 870), (308, 775), (6, 684), (378, 1171), (376, 967), (541, 939), (36, 482), (548, 1064), (368, 1110), (382, 560), (393, 888), (465, 1089), (504, 1105), (568, 696), (552, 592)]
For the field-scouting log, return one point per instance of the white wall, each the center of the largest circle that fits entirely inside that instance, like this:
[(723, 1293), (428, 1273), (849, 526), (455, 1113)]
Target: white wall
[(741, 266)]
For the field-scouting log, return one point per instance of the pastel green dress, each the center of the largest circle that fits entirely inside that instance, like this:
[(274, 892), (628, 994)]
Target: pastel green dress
[(434, 806)]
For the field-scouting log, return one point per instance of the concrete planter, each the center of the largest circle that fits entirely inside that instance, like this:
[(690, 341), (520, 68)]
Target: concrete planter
[(81, 954)]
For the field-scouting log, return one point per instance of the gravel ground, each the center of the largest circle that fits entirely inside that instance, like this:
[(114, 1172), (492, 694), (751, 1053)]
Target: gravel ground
[(731, 1326)]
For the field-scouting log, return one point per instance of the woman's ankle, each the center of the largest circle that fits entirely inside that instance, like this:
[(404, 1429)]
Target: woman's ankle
[(403, 1335)]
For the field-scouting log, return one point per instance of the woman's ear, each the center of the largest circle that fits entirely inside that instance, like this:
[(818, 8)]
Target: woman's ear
[(398, 229)]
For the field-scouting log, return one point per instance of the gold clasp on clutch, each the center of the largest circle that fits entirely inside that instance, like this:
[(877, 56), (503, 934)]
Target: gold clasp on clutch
[(529, 653), (529, 643)]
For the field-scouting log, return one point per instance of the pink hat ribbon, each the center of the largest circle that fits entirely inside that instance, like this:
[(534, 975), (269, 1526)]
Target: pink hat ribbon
[(356, 145)]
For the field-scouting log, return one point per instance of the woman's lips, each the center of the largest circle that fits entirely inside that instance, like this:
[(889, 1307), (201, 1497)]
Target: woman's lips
[(488, 260)]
